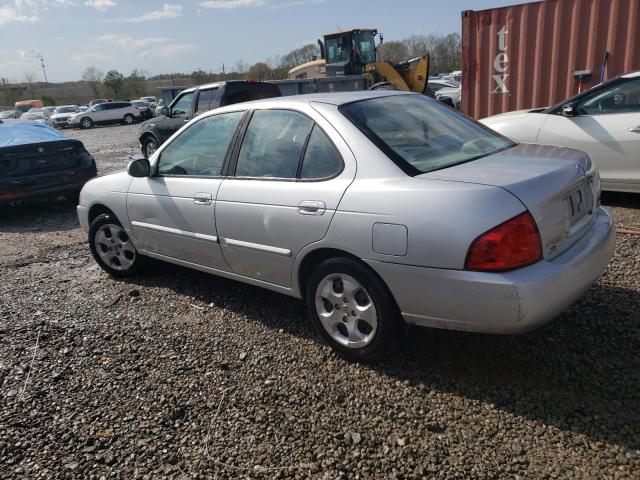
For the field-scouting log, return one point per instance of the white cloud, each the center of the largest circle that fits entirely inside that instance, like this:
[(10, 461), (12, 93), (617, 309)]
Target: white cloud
[(90, 58), (101, 5), (14, 64), (219, 4), (9, 14), (65, 3), (146, 47), (168, 11)]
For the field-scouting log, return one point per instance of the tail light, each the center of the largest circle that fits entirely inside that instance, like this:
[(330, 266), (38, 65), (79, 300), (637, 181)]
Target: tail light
[(512, 244)]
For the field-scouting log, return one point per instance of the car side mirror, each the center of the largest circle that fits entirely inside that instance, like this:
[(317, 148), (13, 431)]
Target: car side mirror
[(569, 110), (164, 111), (139, 168)]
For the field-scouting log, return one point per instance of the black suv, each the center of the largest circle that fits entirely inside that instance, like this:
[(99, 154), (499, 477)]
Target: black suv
[(196, 100)]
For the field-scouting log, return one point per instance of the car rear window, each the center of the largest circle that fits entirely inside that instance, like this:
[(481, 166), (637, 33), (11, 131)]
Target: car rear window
[(420, 134), (248, 91)]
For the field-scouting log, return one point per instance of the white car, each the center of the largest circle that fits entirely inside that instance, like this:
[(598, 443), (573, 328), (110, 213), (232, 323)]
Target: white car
[(445, 88), (603, 121), (104, 113), (60, 116)]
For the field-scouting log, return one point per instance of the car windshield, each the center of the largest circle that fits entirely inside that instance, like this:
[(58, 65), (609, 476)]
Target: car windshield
[(32, 116), (7, 114), (140, 104), (421, 134), (64, 110)]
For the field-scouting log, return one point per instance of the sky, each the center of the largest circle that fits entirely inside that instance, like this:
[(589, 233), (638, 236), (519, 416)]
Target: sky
[(161, 36)]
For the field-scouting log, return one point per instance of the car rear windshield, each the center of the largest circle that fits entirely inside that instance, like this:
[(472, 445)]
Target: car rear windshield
[(420, 134), (248, 91)]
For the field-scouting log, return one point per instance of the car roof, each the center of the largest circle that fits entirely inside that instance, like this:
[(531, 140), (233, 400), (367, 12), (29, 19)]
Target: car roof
[(339, 98), (631, 75)]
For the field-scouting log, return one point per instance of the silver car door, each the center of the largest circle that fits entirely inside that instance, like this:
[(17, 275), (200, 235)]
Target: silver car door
[(289, 179), (172, 212)]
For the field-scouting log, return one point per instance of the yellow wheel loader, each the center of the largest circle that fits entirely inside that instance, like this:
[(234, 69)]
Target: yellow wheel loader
[(354, 52)]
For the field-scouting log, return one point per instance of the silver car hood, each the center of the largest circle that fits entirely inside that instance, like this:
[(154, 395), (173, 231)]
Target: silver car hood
[(542, 178)]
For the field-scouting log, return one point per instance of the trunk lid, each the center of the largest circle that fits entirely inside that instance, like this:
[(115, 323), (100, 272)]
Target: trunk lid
[(559, 186), (40, 157)]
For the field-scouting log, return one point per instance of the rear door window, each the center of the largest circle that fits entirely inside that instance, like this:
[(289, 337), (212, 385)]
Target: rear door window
[(273, 144), (248, 91)]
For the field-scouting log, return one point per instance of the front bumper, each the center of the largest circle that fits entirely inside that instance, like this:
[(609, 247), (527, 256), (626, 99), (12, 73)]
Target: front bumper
[(510, 302)]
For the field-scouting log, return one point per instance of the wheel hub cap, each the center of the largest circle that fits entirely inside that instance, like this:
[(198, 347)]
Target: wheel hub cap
[(346, 310), (114, 247)]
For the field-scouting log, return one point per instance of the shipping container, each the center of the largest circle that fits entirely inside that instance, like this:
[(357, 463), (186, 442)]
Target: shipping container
[(538, 54)]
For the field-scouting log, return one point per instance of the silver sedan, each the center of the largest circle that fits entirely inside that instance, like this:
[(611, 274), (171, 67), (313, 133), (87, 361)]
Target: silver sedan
[(380, 209)]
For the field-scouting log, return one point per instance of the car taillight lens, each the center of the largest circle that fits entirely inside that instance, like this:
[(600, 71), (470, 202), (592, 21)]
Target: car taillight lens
[(512, 244)]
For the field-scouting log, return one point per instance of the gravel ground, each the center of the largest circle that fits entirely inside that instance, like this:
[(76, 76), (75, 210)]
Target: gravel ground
[(179, 374)]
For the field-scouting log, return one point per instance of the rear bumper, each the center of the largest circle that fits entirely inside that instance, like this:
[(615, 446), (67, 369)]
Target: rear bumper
[(44, 184), (510, 302)]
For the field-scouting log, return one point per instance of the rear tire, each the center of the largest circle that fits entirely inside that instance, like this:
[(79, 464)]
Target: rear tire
[(112, 248), (352, 310), (85, 123), (128, 119)]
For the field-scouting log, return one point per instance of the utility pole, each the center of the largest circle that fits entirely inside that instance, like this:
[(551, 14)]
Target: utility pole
[(39, 56)]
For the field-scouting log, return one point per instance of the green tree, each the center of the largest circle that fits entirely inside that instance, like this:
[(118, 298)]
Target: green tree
[(259, 71), (47, 100), (114, 82)]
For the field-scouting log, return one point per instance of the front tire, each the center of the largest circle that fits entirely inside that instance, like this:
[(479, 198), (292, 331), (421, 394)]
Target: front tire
[(112, 248), (149, 146), (352, 310), (85, 123), (128, 119)]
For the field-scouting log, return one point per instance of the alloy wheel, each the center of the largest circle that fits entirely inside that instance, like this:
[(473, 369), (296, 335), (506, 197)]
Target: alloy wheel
[(114, 247), (346, 310)]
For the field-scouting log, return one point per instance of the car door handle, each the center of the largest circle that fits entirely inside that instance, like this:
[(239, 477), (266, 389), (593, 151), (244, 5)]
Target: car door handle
[(311, 207), (635, 129), (202, 198)]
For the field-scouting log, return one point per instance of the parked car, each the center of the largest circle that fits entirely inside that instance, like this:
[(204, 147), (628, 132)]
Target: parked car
[(34, 117), (37, 160), (345, 200), (442, 89), (152, 101), (196, 100), (145, 109), (10, 114), (603, 121), (158, 108), (61, 114), (98, 101), (48, 111), (105, 113)]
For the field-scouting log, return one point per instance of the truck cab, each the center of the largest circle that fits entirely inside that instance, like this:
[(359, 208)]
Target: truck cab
[(193, 101)]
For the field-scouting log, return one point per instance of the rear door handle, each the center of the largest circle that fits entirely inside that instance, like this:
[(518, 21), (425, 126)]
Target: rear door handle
[(311, 207), (635, 129), (202, 198)]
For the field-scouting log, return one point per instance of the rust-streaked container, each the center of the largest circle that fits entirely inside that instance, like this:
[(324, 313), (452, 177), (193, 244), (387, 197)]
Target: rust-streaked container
[(529, 55)]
